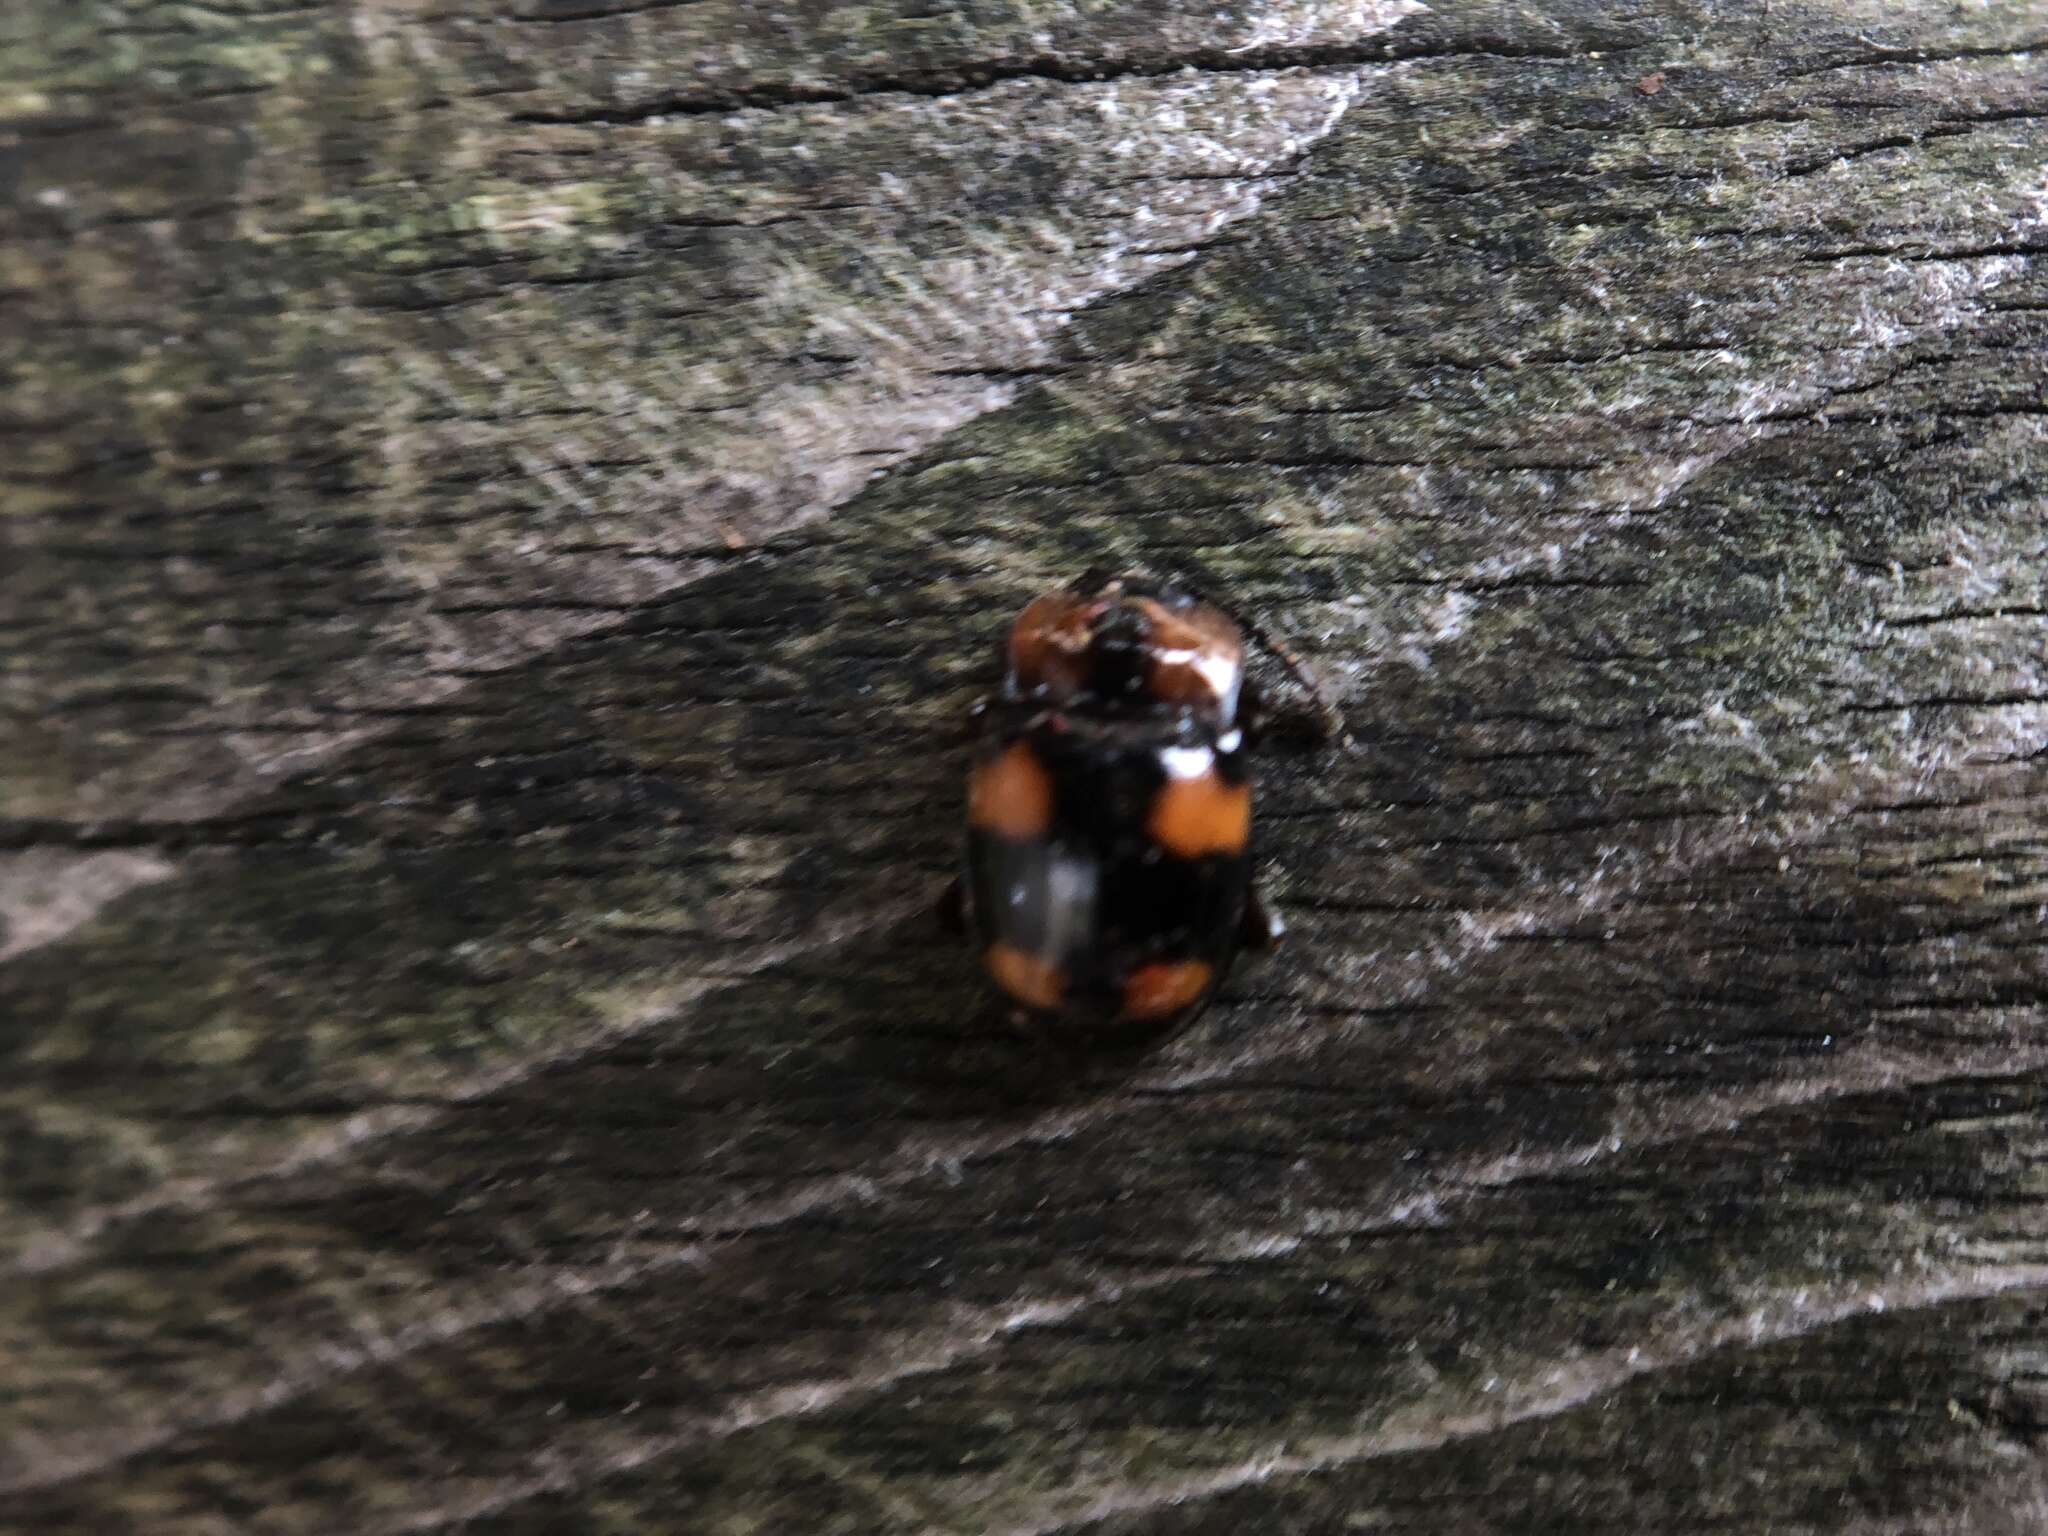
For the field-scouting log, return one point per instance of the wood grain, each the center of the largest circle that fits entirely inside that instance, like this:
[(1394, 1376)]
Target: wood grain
[(505, 505)]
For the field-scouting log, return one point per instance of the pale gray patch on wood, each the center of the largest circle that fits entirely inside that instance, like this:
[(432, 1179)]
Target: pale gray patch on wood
[(742, 433)]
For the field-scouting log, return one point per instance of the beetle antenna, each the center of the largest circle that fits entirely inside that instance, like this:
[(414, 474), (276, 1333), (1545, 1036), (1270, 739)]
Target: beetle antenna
[(1299, 670)]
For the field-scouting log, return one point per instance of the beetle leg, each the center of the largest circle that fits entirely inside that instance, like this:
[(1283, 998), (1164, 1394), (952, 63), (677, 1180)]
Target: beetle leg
[(1260, 927), (950, 911)]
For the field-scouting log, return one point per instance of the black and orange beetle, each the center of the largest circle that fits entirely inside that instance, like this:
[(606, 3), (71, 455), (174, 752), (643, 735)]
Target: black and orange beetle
[(1108, 864)]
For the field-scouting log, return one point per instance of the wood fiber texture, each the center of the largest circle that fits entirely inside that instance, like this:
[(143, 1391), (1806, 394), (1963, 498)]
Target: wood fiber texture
[(503, 505)]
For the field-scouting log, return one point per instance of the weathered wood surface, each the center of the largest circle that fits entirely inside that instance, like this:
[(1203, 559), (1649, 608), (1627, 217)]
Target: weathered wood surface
[(503, 503)]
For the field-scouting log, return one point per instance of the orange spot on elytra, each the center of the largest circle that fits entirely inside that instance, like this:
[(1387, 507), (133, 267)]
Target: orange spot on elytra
[(1165, 986), (1032, 980), (1010, 795), (1200, 814)]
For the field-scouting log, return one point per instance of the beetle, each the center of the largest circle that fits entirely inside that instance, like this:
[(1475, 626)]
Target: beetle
[(1108, 864)]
